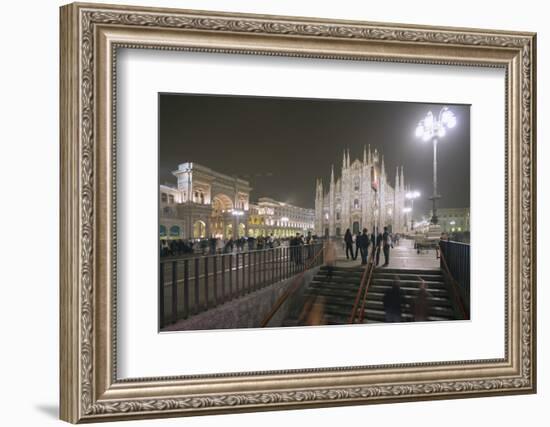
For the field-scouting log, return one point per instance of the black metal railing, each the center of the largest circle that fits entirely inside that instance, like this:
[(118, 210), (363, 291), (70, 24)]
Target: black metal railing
[(191, 285), (455, 257)]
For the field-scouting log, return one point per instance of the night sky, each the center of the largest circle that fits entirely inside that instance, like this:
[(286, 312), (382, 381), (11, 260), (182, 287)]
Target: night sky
[(281, 145)]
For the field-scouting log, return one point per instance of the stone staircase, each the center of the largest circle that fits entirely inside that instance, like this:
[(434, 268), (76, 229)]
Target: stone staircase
[(338, 294)]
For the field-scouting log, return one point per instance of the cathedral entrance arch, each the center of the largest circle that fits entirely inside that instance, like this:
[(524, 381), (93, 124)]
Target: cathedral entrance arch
[(356, 227), (199, 230), (221, 206), (222, 202)]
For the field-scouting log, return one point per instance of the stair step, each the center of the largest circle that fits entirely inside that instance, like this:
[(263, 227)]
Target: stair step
[(387, 270), (409, 290), (352, 288), (342, 285), (380, 315), (429, 284), (410, 297), (391, 276), (343, 306)]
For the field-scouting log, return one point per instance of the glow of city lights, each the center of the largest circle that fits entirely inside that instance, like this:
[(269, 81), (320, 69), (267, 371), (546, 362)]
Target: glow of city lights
[(430, 127), (237, 212), (452, 222), (407, 210), (284, 219), (413, 195)]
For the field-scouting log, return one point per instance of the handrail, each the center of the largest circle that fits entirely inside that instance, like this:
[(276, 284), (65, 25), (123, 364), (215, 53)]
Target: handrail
[(290, 290), (370, 264), (363, 304), (454, 283)]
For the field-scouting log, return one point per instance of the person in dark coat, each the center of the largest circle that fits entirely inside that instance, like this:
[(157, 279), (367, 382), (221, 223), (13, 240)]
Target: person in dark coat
[(376, 240), (348, 239), (357, 245), (386, 244), (299, 243), (363, 241), (421, 305), (393, 299)]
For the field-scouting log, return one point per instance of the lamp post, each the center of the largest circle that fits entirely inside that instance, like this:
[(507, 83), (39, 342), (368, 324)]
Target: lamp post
[(406, 210), (435, 129), (411, 195)]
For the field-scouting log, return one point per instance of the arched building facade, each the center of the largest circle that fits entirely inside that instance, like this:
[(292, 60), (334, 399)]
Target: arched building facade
[(204, 203)]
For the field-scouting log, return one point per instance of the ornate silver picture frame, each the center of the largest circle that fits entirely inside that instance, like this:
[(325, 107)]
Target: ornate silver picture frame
[(91, 35)]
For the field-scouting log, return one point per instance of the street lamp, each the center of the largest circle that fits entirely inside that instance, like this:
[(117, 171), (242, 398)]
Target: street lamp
[(432, 129), (411, 195)]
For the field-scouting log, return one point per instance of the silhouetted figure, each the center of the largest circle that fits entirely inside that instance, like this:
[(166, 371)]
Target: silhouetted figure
[(393, 298), (421, 305), (213, 241), (229, 246), (330, 257), (348, 240), (357, 243), (251, 243), (299, 246), (363, 243), (376, 239), (386, 244)]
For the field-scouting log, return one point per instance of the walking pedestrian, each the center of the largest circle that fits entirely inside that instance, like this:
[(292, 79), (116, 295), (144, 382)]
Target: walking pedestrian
[(393, 298), (376, 240), (386, 244), (421, 305), (357, 245), (363, 244), (348, 240), (299, 248), (330, 257), (219, 245)]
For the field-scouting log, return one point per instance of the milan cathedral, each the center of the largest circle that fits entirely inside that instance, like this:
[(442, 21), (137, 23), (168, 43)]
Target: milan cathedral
[(361, 198)]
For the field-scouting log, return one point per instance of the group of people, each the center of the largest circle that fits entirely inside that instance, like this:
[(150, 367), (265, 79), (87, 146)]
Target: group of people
[(379, 241), (297, 244), (216, 245), (176, 247), (394, 299)]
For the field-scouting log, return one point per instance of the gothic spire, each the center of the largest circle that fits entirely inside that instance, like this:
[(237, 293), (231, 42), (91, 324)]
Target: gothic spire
[(364, 154), (402, 177), (332, 175), (344, 160), (369, 156), (397, 187)]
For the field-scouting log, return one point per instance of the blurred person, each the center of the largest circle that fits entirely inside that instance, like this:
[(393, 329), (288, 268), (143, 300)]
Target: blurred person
[(348, 240), (393, 299), (330, 258), (363, 243), (386, 244), (421, 305)]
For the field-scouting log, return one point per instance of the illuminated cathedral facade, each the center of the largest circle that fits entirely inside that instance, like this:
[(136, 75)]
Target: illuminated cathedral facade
[(361, 197)]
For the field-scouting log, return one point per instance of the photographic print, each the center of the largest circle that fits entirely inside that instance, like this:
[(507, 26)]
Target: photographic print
[(277, 212)]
